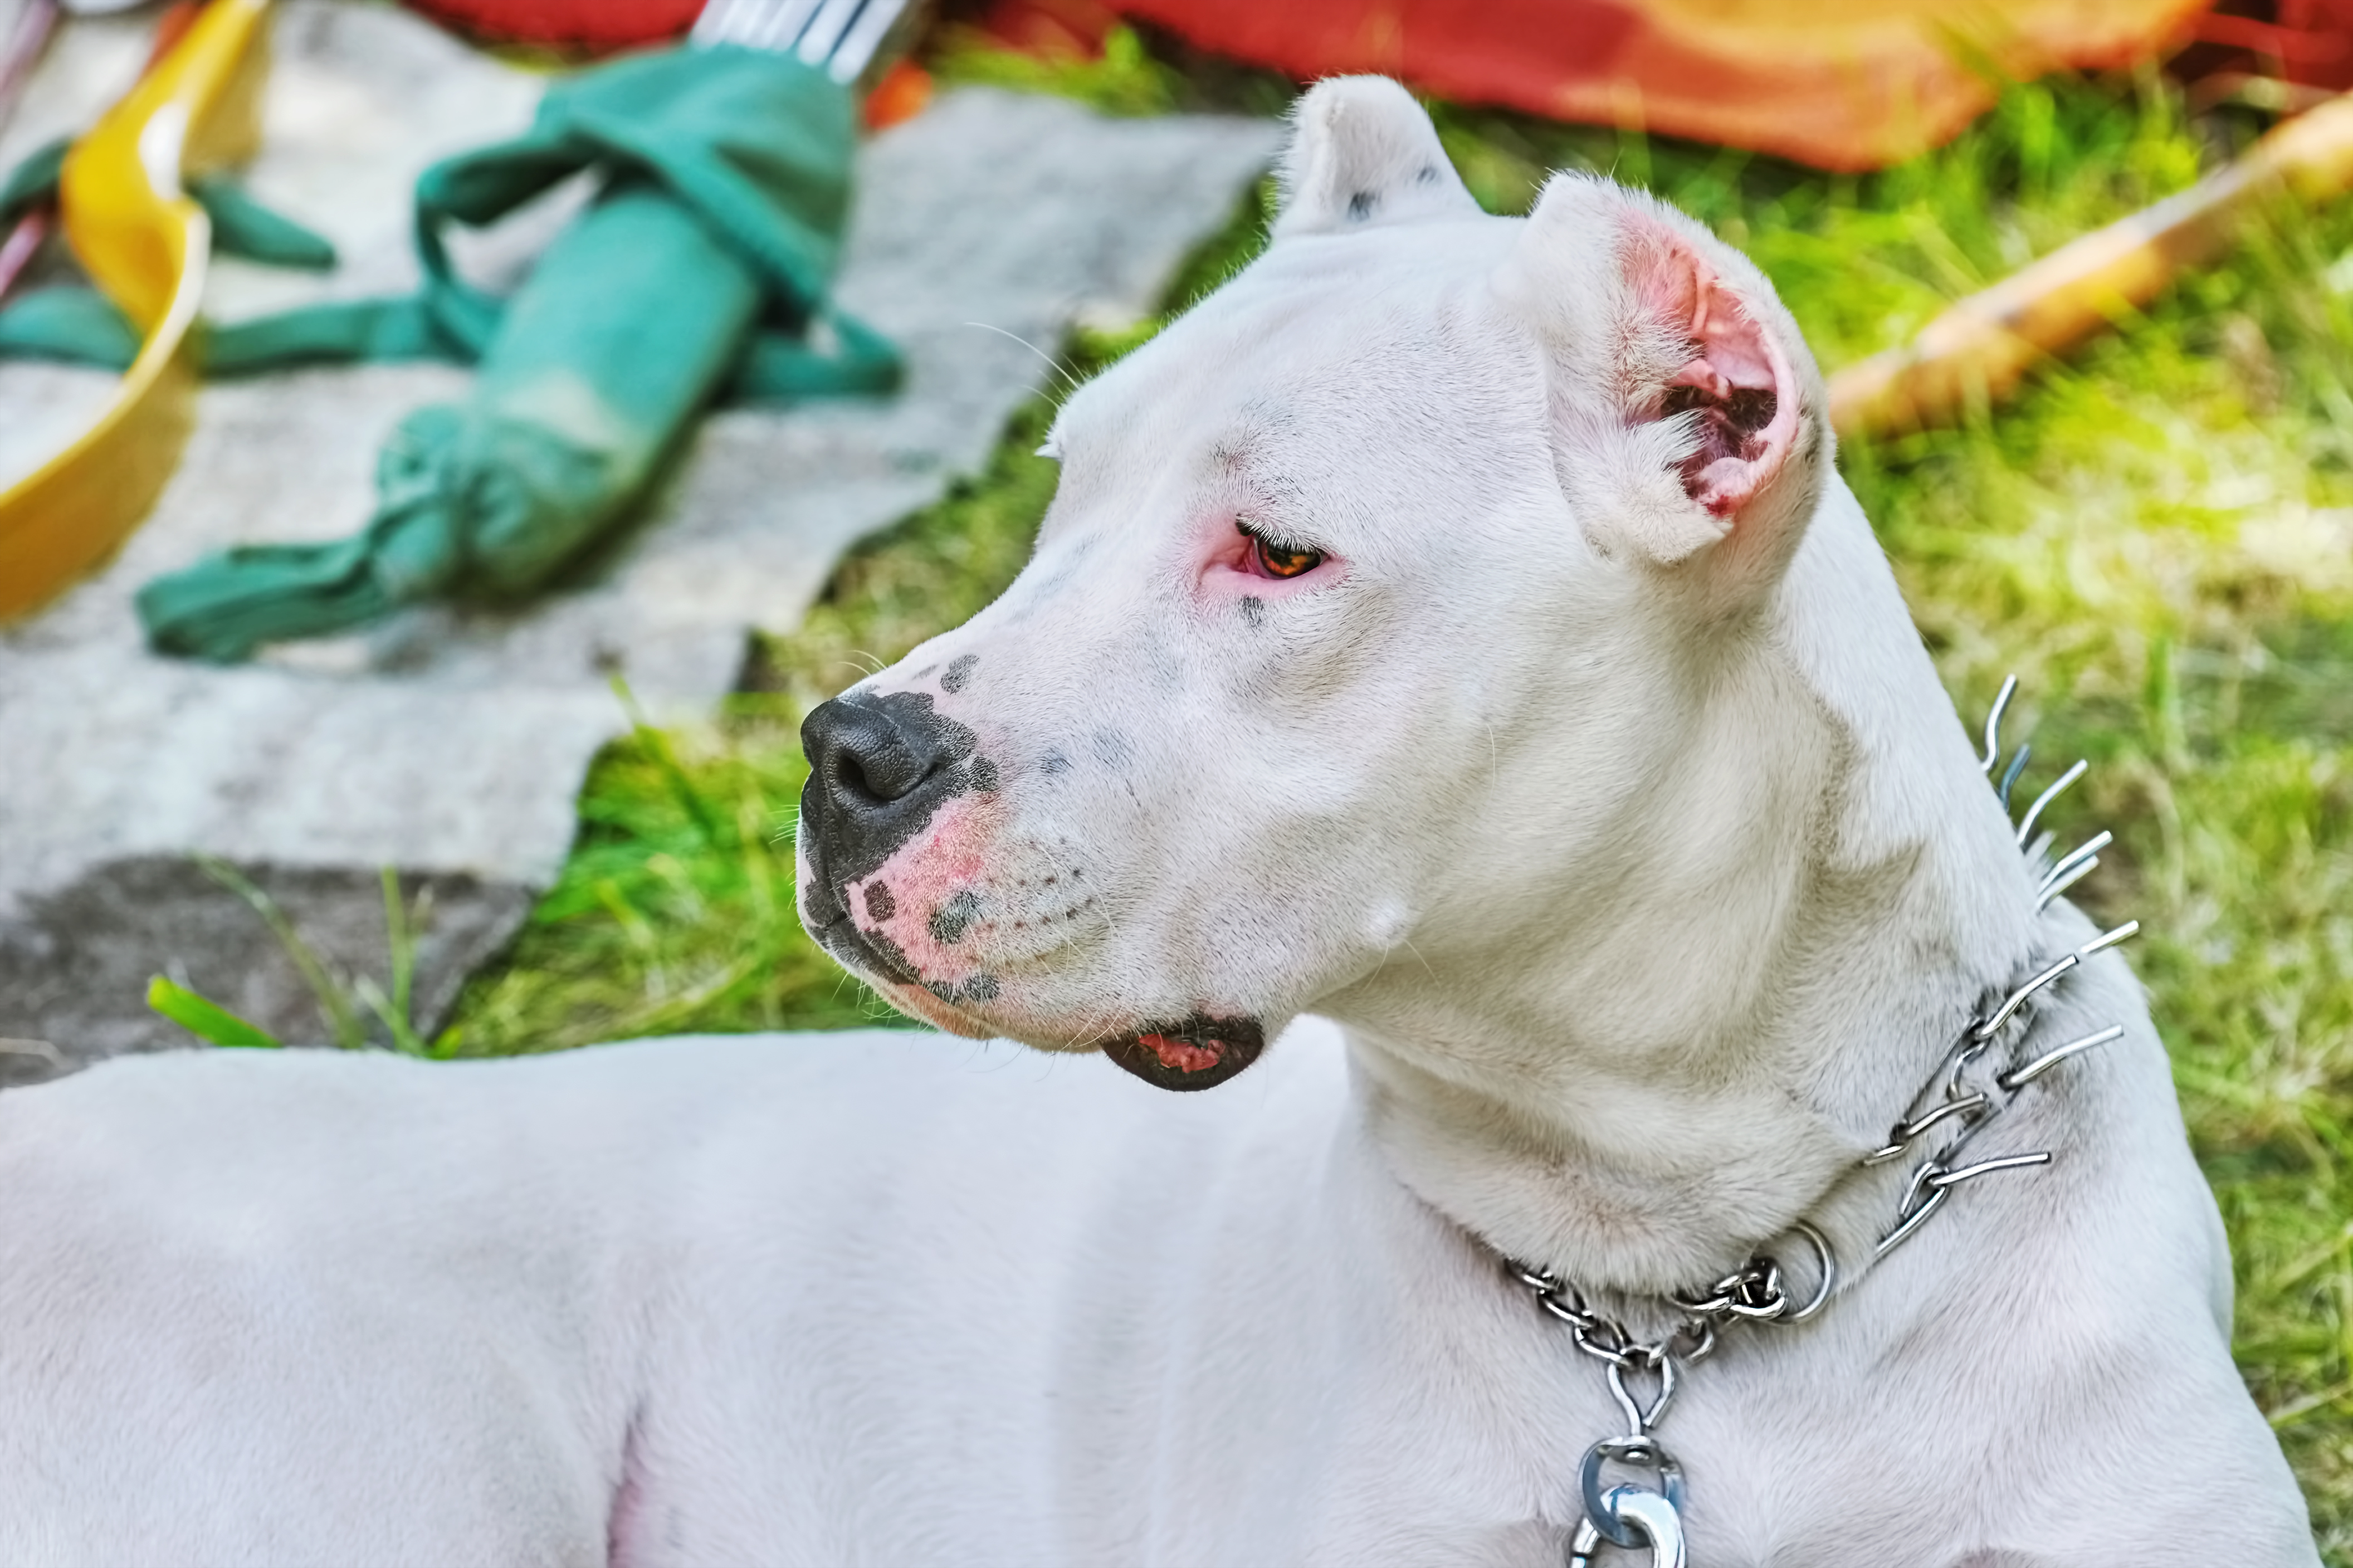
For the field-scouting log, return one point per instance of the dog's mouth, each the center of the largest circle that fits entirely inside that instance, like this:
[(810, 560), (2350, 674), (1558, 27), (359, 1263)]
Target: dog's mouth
[(1199, 1052)]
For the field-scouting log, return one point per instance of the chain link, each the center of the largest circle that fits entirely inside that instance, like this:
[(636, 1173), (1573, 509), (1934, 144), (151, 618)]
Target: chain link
[(1754, 1293)]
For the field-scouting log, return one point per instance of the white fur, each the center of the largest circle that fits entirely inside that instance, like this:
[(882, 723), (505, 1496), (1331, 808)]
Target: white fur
[(1636, 851)]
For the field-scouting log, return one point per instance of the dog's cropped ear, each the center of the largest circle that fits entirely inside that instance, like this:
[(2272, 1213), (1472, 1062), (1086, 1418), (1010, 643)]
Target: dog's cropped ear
[(1685, 408), (1363, 153)]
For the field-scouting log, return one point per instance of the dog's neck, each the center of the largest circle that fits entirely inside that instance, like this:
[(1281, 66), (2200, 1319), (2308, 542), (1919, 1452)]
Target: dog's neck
[(1678, 1063)]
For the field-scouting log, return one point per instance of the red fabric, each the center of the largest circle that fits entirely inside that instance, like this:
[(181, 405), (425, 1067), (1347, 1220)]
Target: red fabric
[(592, 26), (1841, 84), (2306, 42)]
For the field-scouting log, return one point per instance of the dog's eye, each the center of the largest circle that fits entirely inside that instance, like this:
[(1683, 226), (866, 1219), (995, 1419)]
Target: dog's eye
[(1278, 562), (1272, 560)]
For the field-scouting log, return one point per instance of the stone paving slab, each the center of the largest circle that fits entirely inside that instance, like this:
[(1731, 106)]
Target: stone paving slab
[(451, 743)]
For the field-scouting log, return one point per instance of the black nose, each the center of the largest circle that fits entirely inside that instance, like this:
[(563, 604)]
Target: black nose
[(879, 767), (862, 756)]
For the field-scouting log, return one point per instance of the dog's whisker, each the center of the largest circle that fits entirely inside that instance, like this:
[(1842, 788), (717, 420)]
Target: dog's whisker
[(1096, 1024), (1052, 363)]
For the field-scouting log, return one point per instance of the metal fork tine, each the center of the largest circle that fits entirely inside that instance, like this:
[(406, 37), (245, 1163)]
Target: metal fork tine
[(740, 22), (770, 24), (865, 36), (842, 36), (787, 24), (825, 29), (715, 24)]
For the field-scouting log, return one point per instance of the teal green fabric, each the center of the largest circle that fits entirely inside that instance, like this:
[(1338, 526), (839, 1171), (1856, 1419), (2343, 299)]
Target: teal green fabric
[(243, 226), (340, 333), (699, 270), (33, 181), (81, 326)]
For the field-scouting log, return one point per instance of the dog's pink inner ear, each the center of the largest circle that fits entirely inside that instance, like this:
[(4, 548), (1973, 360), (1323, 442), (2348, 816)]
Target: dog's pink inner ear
[(1736, 382)]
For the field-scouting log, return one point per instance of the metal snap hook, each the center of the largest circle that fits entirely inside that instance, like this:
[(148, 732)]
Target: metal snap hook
[(1600, 1513), (1648, 1518)]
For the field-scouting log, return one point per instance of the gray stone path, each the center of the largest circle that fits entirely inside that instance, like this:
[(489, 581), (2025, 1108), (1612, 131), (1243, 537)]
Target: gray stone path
[(451, 744)]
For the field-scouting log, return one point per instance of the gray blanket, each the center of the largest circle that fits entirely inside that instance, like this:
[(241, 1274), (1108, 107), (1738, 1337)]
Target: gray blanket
[(451, 743)]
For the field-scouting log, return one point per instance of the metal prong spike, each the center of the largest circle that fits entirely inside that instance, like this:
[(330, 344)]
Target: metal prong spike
[(2016, 766), (2017, 999), (1911, 1222), (1944, 1179), (2034, 812), (2107, 939), (2087, 850), (2060, 881), (2017, 1077), (1993, 724), (1912, 1130)]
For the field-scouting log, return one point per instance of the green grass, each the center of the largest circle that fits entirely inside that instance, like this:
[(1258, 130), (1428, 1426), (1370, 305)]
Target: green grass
[(2158, 537)]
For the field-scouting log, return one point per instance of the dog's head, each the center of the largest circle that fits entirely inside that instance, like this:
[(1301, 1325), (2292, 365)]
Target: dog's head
[(1360, 617)]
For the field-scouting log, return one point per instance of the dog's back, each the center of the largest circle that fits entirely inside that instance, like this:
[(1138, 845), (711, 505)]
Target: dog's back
[(308, 1308)]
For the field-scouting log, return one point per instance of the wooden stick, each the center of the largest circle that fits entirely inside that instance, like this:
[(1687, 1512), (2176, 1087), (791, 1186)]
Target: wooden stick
[(1978, 349)]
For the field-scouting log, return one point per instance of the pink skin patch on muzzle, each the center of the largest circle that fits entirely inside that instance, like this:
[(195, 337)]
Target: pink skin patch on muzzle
[(925, 904), (931, 911)]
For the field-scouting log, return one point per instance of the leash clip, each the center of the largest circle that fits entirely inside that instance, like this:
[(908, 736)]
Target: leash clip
[(1643, 1517), (1630, 1516)]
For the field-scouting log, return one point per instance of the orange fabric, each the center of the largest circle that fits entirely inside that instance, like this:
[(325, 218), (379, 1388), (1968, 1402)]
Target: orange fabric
[(1840, 84), (903, 93)]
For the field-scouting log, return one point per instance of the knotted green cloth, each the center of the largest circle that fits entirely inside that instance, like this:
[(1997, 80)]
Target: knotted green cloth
[(701, 268), (81, 325)]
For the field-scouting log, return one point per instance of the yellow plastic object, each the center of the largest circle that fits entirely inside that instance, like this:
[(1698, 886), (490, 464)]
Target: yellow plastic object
[(144, 243)]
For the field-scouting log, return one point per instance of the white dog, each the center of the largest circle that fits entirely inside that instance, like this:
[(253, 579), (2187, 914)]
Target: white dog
[(1454, 627)]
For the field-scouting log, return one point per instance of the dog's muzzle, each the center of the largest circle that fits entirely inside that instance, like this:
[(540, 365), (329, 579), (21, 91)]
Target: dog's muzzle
[(879, 767)]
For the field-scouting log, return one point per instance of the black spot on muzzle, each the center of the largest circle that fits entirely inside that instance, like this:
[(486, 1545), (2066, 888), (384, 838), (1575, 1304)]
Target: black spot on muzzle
[(879, 767)]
